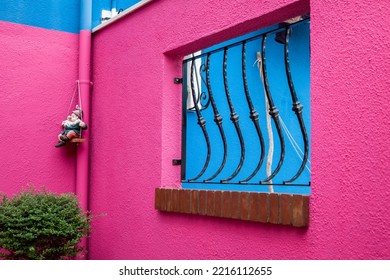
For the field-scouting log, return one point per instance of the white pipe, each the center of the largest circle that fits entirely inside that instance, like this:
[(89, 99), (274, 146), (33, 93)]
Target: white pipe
[(122, 14)]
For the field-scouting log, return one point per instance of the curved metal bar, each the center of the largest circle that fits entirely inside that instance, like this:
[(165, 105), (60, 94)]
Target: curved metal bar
[(202, 124), (200, 97), (217, 118), (254, 116), (297, 108), (201, 94), (233, 117), (273, 111)]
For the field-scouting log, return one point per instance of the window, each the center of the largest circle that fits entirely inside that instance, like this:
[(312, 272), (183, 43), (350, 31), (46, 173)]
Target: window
[(246, 129), (249, 126)]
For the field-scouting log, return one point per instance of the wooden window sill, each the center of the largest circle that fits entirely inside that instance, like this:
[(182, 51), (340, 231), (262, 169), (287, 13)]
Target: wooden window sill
[(274, 208)]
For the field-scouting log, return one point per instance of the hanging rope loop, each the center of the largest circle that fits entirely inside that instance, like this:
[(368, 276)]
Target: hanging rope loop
[(78, 91)]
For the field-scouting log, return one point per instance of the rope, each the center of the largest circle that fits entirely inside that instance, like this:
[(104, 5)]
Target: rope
[(81, 107), (78, 86), (269, 127), (295, 145), (71, 101)]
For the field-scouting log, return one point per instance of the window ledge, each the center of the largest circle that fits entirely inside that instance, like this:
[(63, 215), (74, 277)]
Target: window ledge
[(274, 208)]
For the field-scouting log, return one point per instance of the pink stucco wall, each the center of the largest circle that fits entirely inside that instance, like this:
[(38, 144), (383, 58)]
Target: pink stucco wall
[(136, 132), (38, 70), (135, 127)]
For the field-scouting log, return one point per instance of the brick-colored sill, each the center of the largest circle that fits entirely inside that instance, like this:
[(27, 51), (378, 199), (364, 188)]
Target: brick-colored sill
[(274, 208)]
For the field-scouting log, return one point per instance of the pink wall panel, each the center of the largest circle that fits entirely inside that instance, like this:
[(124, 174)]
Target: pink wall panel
[(350, 125), (136, 133), (135, 128), (38, 70)]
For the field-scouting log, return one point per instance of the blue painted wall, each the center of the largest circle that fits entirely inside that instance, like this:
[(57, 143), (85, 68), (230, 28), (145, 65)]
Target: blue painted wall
[(97, 7), (62, 15), (196, 147)]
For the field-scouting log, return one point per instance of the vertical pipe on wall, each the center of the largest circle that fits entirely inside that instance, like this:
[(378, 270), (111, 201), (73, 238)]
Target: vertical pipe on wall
[(82, 169)]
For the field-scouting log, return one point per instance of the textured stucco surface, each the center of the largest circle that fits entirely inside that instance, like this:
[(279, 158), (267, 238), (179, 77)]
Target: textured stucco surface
[(137, 133), (350, 129), (135, 128), (37, 73)]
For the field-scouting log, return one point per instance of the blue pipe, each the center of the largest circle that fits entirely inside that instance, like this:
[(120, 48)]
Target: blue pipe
[(86, 15)]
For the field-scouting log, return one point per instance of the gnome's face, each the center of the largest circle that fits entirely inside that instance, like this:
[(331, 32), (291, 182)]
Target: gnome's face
[(74, 117)]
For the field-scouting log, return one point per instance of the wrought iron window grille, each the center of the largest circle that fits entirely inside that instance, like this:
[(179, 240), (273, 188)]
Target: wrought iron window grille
[(209, 155)]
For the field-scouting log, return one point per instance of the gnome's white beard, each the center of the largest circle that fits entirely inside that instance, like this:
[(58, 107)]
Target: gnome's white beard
[(72, 122)]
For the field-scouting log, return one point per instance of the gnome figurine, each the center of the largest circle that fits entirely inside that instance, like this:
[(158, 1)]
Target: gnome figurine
[(72, 127)]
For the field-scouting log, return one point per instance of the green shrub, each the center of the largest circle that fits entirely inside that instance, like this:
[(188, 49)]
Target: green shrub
[(38, 225)]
